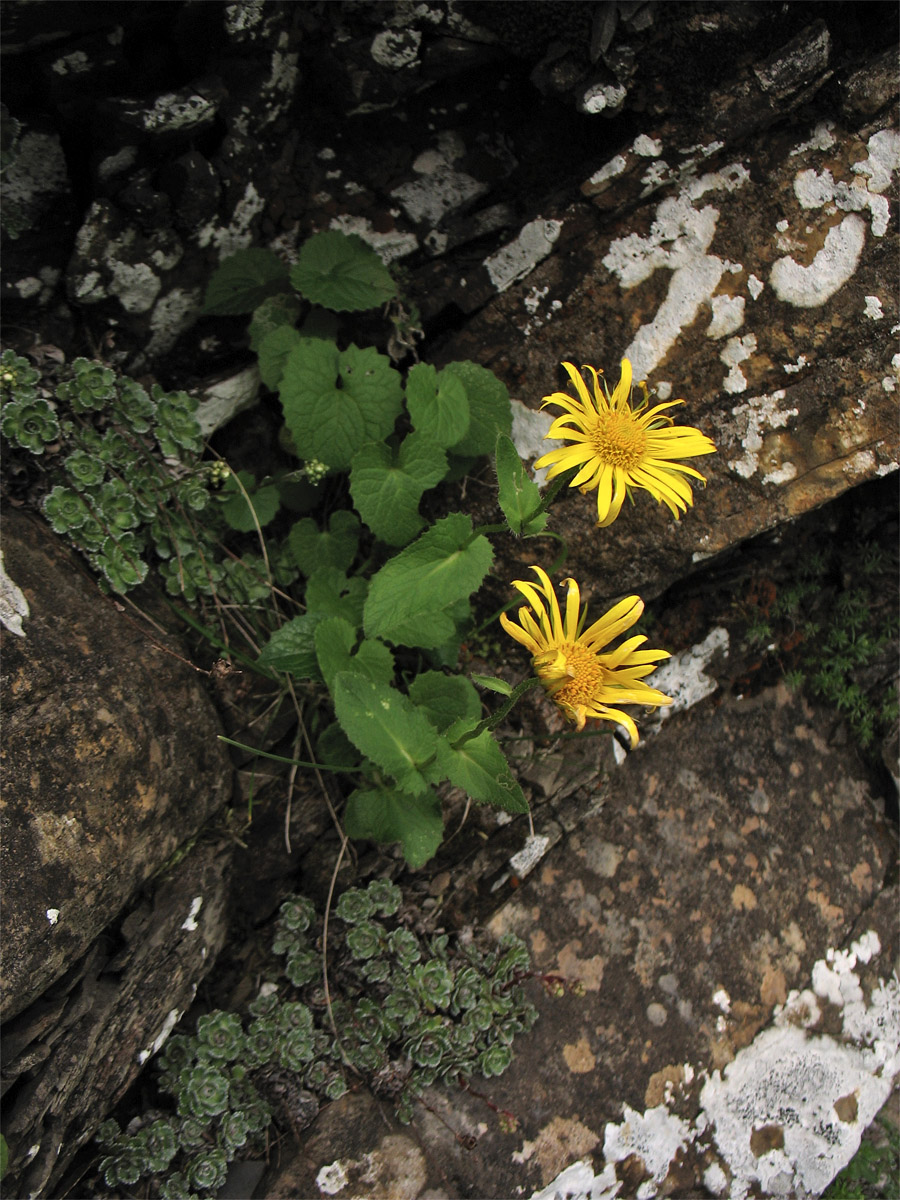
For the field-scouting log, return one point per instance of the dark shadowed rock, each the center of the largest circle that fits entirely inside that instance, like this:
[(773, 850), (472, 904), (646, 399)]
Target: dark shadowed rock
[(71, 1055), (110, 762)]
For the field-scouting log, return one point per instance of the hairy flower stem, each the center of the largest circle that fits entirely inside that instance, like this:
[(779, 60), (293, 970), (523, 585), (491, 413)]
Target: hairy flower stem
[(495, 718), (553, 491)]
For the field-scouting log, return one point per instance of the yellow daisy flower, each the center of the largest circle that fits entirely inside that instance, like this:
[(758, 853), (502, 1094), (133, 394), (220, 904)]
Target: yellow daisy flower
[(618, 448), (582, 681)]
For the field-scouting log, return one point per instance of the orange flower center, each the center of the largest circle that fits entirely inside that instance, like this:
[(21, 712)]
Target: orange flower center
[(618, 440), (578, 681)]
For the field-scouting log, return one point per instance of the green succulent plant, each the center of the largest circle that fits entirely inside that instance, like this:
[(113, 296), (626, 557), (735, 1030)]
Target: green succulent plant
[(452, 1013), (30, 423)]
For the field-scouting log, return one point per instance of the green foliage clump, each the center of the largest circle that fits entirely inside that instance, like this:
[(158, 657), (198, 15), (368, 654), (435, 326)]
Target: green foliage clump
[(834, 626), (413, 1010), (381, 584), (380, 598)]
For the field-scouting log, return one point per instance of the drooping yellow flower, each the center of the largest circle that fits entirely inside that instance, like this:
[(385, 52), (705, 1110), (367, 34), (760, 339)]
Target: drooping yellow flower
[(619, 447), (580, 676)]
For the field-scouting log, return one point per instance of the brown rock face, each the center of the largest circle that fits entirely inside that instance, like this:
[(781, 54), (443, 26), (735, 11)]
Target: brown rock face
[(110, 762), (754, 279)]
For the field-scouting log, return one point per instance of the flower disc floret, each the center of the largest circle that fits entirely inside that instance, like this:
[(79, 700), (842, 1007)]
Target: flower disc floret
[(616, 446), (583, 678)]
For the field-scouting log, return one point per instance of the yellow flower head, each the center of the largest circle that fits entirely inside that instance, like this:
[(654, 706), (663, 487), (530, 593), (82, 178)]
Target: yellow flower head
[(582, 681), (618, 448)]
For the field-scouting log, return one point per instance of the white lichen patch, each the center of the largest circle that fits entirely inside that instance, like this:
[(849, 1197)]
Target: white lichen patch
[(679, 240), (190, 921), (226, 398), (722, 1000), (755, 287), (278, 90), (883, 160), (176, 113), (529, 436), (172, 315), (788, 1083), (396, 48), (172, 1019), (332, 1178), (832, 267), (727, 316), (647, 147), (76, 63), (519, 257), (866, 947), (751, 422), (873, 309), (801, 1009), (603, 97), (524, 862), (134, 285), (736, 351), (13, 605), (389, 246), (684, 676), (795, 368), (241, 18), (655, 1137), (53, 915), (440, 187), (578, 1182), (609, 170), (657, 173), (822, 139), (237, 235), (781, 474), (813, 190), (37, 171), (114, 164)]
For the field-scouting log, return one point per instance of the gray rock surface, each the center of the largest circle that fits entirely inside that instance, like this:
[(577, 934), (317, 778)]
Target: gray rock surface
[(722, 903)]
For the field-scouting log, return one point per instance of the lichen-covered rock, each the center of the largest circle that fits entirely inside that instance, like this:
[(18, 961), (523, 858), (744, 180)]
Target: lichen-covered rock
[(39, 212), (110, 761), (759, 285), (724, 908)]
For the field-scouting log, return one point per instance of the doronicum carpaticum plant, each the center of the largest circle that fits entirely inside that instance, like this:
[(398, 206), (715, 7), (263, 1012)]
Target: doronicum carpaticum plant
[(412, 1011), (381, 636)]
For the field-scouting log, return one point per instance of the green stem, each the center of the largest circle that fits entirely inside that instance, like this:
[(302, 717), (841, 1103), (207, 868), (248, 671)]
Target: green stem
[(295, 762), (495, 718), (551, 494), (217, 642)]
